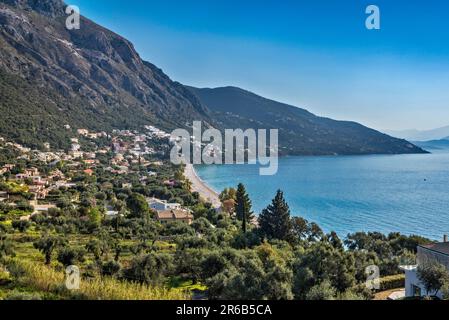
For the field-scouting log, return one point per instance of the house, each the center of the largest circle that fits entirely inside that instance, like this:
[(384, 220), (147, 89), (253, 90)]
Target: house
[(112, 213), (89, 172), (174, 215), (162, 205), (42, 208), (32, 172), (435, 252), (76, 154), (83, 132), (40, 192)]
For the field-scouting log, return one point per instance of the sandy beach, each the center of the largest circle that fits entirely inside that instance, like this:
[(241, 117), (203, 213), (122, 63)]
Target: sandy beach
[(198, 185)]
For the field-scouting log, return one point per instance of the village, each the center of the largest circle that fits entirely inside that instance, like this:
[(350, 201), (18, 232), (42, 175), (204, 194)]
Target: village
[(121, 154)]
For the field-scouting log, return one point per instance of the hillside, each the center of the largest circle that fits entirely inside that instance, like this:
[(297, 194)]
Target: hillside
[(90, 78), (301, 132)]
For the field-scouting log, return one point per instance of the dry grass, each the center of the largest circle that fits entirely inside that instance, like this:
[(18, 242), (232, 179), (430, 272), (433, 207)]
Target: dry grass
[(48, 280)]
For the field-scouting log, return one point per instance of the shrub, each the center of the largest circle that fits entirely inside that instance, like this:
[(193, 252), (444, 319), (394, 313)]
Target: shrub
[(392, 282), (70, 256), (110, 268), (21, 225), (17, 295)]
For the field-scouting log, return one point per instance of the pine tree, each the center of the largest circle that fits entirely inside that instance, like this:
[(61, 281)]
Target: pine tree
[(243, 206), (274, 221)]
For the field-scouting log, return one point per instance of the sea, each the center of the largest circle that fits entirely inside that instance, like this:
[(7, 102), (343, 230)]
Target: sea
[(386, 193)]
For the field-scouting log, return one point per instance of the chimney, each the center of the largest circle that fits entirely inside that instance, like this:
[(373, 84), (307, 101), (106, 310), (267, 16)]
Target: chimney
[(445, 240)]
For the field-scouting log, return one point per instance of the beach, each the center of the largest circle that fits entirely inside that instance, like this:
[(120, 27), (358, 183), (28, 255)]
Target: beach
[(198, 185)]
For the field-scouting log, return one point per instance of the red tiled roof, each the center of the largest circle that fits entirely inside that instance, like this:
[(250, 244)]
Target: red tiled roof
[(174, 214)]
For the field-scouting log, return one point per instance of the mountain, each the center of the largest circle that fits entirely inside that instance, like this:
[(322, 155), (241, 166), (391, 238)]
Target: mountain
[(301, 132), (434, 145), (424, 135), (92, 77)]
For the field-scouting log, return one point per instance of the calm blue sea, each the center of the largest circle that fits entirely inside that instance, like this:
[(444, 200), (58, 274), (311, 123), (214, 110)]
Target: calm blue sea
[(401, 193)]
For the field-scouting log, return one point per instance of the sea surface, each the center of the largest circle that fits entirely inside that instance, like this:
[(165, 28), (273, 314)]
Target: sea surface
[(399, 193)]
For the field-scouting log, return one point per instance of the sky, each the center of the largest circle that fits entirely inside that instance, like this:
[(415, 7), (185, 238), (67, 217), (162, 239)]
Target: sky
[(314, 54)]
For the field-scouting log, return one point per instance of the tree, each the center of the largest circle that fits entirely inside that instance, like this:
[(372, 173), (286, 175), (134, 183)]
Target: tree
[(320, 262), (243, 206), (433, 276), (47, 245), (110, 268), (202, 225), (94, 247), (138, 206), (95, 216), (228, 200), (21, 225), (150, 269), (335, 240), (322, 291), (70, 256), (188, 263), (228, 194), (6, 247), (275, 221)]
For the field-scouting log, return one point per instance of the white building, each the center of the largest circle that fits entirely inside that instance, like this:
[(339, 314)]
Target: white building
[(162, 205), (435, 252)]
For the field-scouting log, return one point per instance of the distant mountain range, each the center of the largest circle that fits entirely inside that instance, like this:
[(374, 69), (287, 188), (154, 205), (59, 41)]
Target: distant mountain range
[(93, 78), (421, 135), (301, 132), (434, 145)]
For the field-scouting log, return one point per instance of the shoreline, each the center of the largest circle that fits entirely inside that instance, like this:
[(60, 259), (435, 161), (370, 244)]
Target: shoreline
[(198, 185)]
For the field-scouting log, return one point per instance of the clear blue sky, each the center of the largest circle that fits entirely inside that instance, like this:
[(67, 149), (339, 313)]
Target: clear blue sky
[(315, 54)]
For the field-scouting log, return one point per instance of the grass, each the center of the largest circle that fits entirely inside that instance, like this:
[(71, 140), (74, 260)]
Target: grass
[(183, 284), (51, 283)]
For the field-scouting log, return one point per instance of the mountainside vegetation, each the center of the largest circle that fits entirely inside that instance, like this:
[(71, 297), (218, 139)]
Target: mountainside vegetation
[(300, 132)]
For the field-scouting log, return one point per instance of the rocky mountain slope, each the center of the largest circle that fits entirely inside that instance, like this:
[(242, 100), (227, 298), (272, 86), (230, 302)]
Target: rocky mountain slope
[(93, 76)]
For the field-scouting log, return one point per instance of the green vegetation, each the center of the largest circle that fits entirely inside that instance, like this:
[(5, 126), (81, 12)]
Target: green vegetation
[(434, 276), (222, 254), (392, 282)]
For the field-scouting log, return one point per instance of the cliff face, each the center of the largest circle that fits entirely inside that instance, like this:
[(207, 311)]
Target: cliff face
[(92, 64)]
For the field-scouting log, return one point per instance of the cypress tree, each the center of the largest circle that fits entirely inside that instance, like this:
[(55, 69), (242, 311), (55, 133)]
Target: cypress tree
[(243, 206), (274, 221)]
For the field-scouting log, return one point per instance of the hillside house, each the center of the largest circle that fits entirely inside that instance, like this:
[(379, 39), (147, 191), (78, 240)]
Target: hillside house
[(435, 252), (174, 215), (162, 205)]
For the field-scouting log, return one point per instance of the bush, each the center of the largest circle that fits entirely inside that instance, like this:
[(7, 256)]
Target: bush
[(70, 256), (21, 225), (110, 268), (392, 282), (17, 295)]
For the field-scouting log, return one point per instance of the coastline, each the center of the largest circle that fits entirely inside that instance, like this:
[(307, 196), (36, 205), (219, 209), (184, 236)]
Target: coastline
[(198, 185)]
